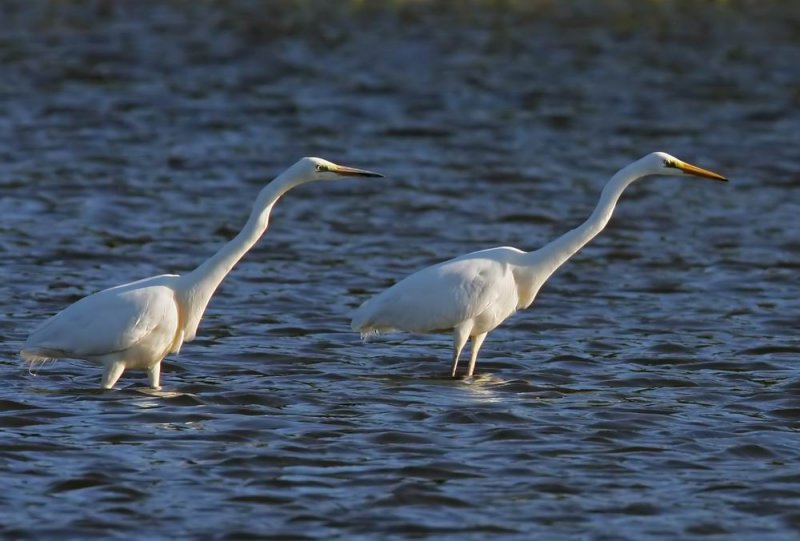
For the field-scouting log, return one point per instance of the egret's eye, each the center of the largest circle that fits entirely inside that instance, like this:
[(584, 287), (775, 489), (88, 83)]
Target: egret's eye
[(321, 168), (669, 163)]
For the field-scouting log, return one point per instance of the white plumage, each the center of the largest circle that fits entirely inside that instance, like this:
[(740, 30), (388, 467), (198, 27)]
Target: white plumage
[(136, 325), (471, 295), (477, 287)]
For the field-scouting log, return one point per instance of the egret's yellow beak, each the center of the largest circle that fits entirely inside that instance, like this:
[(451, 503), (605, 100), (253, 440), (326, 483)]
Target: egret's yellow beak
[(352, 171), (690, 169)]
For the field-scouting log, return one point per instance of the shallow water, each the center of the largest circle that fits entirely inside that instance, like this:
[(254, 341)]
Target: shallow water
[(652, 392)]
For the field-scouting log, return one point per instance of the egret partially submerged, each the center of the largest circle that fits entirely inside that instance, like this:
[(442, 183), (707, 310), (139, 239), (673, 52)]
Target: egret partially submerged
[(471, 295), (136, 325)]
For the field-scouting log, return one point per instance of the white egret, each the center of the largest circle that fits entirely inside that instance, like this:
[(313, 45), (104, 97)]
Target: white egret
[(471, 295), (136, 325)]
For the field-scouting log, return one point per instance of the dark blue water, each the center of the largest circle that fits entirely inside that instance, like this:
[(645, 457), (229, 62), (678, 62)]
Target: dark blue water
[(652, 391)]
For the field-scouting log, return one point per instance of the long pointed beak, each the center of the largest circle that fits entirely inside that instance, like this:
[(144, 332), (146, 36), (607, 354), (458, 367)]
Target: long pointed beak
[(690, 169), (353, 172)]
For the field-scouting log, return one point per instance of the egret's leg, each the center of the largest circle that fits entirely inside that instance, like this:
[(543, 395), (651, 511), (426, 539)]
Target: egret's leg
[(460, 337), (154, 376), (477, 342), (111, 374)]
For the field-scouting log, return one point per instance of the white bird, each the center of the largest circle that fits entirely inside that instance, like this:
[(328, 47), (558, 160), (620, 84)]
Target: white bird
[(471, 295), (136, 325)]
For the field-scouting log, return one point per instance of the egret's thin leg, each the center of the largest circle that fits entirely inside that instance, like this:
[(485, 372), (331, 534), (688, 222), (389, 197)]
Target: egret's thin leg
[(477, 342), (154, 376), (460, 337), (111, 374)]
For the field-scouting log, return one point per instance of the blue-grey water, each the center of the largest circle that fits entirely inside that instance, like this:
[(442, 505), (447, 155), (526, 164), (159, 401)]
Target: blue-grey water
[(651, 392)]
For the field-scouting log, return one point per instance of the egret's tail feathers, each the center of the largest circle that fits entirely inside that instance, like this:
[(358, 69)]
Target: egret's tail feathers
[(35, 359), (366, 334), (365, 322), (362, 317), (33, 356)]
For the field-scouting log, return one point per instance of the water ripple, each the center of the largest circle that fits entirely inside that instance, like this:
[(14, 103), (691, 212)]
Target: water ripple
[(650, 393)]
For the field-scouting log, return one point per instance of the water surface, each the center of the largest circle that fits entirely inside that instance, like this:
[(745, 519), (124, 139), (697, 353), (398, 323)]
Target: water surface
[(652, 392)]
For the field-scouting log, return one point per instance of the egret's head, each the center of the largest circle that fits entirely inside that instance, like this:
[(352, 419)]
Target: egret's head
[(318, 169), (661, 163)]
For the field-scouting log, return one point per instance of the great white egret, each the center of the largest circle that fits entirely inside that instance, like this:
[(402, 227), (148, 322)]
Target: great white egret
[(471, 295), (136, 325)]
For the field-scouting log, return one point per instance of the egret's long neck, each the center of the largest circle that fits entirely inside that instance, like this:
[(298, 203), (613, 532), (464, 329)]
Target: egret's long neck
[(199, 285), (549, 258)]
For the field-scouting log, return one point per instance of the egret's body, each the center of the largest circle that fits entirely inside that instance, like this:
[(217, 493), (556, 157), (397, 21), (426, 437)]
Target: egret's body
[(136, 325), (471, 295)]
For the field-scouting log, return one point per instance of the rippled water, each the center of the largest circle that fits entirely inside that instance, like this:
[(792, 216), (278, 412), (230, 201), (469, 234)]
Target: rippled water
[(651, 392)]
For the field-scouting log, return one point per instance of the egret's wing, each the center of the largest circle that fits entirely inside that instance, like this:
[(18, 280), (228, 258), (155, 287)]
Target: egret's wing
[(435, 298), (106, 322)]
